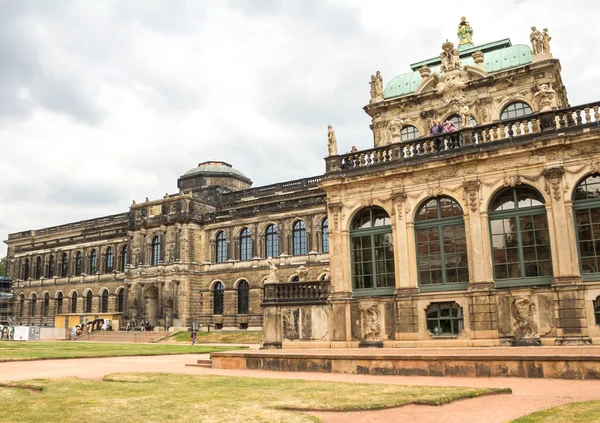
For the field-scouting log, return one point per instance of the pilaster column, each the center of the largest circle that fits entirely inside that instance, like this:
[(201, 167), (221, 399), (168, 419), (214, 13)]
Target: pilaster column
[(402, 256)]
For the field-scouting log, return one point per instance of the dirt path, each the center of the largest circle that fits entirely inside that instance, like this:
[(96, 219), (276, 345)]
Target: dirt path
[(529, 395)]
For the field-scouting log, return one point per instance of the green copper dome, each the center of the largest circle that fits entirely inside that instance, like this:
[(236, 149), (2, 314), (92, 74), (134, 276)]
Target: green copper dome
[(214, 168)]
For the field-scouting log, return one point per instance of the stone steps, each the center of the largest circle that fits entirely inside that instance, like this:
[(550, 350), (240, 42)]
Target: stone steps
[(118, 336), (206, 363)]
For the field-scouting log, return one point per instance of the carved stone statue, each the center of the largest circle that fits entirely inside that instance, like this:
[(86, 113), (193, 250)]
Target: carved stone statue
[(331, 141), (523, 311), (327, 275), (450, 58), (465, 32), (546, 97), (537, 41), (302, 272), (395, 126), (371, 322), (376, 87), (272, 277), (546, 41), (465, 117)]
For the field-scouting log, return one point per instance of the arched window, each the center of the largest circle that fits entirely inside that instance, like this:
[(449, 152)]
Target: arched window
[(123, 258), (78, 263), (33, 305), (59, 303), (21, 305), (64, 266), (221, 247), (596, 304), (218, 294), (295, 278), (457, 121), (121, 300), (372, 250), (325, 236), (155, 250), (243, 291), (409, 133), (46, 304), (51, 266), (586, 202), (441, 245), (88, 302), (299, 239), (74, 302), (444, 319), (245, 244), (26, 270), (93, 262), (520, 238), (515, 110), (38, 268), (109, 260), (104, 302), (272, 241)]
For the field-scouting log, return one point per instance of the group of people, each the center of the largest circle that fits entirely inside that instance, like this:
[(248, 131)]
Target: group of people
[(444, 143)]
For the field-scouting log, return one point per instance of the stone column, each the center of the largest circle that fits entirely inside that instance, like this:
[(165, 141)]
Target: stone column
[(126, 300), (402, 243), (159, 303), (140, 299)]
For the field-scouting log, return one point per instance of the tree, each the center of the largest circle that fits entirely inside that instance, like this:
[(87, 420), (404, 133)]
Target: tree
[(3, 266)]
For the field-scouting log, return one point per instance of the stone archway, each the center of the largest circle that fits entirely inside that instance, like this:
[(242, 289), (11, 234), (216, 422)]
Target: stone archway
[(151, 303)]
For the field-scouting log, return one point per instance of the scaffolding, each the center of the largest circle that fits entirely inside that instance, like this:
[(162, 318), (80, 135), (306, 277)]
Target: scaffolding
[(7, 317)]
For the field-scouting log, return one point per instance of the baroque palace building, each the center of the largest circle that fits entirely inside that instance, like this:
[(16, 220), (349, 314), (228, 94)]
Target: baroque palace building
[(473, 220)]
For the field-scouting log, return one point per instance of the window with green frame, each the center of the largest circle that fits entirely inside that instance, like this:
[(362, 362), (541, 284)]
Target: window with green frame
[(372, 250), (441, 245), (586, 202), (519, 237), (444, 319)]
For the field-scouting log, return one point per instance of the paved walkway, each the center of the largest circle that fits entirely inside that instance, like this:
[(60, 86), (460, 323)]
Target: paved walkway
[(529, 395)]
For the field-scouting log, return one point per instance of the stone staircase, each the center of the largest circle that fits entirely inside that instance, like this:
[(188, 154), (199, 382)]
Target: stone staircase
[(122, 336), (206, 363)]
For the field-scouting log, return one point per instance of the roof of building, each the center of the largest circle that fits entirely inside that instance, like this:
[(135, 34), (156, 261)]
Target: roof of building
[(497, 56), (213, 168)]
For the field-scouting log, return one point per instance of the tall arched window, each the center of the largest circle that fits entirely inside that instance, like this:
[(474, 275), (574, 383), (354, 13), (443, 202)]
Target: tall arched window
[(221, 246), (372, 250), (59, 303), (88, 302), (93, 262), (21, 305), (109, 260), (515, 110), (78, 263), (155, 250), (104, 302), (74, 302), (46, 304), (409, 133), (51, 266), (245, 244), (218, 297), (64, 266), (33, 305), (26, 270), (123, 258), (271, 241), (586, 202), (299, 239), (441, 245), (325, 236), (38, 268), (121, 300), (520, 238), (243, 292)]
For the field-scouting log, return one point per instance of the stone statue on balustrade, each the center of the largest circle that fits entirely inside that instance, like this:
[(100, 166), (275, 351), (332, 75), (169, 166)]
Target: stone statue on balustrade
[(546, 41), (272, 277), (450, 59), (545, 97), (326, 274), (302, 272), (395, 127), (465, 117), (376, 87), (537, 41), (465, 32), (331, 141)]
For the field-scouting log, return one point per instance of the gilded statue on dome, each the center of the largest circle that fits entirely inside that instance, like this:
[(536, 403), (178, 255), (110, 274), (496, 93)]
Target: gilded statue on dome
[(465, 32)]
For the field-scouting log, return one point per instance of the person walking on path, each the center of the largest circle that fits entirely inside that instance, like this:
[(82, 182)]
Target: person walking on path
[(193, 337)]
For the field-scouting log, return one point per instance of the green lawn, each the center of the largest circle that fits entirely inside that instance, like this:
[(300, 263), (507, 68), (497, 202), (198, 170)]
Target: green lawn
[(18, 351), (577, 412), (161, 398), (241, 337)]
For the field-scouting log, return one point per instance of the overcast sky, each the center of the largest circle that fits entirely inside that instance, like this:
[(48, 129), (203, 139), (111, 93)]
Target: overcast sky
[(104, 102)]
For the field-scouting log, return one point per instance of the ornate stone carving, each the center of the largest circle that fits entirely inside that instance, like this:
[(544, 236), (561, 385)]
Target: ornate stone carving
[(395, 126), (546, 41), (537, 41), (465, 32), (331, 141), (425, 71), (272, 277), (545, 97), (450, 58), (553, 177), (371, 322), (327, 274), (302, 272), (465, 117), (398, 200), (471, 194), (437, 175), (376, 87), (478, 57), (335, 209), (523, 312)]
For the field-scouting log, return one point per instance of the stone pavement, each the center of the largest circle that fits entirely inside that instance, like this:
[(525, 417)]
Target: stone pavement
[(528, 394)]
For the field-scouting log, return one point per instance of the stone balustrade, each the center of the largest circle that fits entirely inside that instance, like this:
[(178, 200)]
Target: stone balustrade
[(518, 130), (315, 292)]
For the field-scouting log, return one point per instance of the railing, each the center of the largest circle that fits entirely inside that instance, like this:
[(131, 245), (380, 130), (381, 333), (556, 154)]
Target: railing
[(478, 137), (121, 217), (296, 292), (268, 189)]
